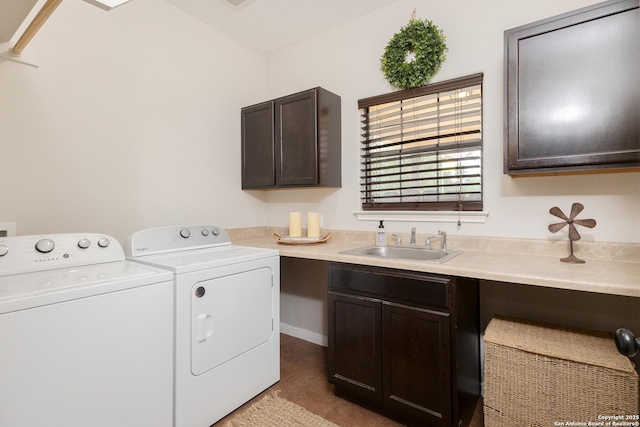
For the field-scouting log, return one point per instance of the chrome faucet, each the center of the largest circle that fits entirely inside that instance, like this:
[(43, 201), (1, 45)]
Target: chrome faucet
[(443, 240), (398, 240), (413, 236)]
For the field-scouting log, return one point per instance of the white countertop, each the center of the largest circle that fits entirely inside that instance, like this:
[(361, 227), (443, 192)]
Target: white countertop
[(600, 276)]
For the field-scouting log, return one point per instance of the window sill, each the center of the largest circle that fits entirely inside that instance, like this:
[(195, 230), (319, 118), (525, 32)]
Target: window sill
[(423, 216)]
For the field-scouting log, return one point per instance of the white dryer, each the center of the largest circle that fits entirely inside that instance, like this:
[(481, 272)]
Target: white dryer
[(227, 317), (86, 337)]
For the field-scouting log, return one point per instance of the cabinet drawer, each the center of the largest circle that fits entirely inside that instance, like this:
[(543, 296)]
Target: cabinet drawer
[(406, 287)]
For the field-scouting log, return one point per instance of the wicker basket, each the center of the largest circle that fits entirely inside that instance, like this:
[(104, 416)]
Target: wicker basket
[(545, 375)]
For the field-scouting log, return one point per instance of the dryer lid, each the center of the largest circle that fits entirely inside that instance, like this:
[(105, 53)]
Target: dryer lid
[(200, 259)]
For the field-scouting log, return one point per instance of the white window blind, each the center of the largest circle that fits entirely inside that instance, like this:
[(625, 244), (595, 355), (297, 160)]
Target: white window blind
[(422, 148)]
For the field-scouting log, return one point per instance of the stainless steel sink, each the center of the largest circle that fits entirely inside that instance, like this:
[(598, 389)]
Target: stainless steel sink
[(404, 252)]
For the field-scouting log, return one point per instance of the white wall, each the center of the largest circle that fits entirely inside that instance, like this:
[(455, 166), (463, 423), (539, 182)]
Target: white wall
[(303, 299), (131, 121), (346, 59)]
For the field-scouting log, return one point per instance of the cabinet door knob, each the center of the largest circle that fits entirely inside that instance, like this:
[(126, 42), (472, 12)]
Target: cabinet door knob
[(626, 342)]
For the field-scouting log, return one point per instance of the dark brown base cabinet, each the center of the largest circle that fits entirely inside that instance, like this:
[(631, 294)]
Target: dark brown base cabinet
[(405, 344)]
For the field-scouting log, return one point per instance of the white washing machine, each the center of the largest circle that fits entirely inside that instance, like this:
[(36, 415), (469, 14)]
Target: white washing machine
[(86, 337), (227, 318)]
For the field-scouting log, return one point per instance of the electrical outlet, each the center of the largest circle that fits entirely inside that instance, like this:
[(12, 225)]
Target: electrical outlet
[(7, 229)]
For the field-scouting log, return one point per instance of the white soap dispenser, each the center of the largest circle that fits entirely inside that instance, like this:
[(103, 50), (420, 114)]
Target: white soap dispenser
[(381, 236)]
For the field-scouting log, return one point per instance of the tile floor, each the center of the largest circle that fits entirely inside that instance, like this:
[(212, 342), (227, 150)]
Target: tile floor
[(303, 380)]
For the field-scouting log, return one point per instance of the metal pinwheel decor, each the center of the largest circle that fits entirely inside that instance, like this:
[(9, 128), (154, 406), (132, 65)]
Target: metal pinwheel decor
[(571, 220)]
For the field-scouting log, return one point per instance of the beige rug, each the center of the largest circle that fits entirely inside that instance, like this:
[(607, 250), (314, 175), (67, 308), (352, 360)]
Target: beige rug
[(274, 411)]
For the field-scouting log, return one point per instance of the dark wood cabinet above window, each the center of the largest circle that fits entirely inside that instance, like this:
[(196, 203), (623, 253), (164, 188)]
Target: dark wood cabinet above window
[(572, 93), (293, 141)]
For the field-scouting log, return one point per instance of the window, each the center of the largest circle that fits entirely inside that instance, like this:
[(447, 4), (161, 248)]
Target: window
[(422, 148)]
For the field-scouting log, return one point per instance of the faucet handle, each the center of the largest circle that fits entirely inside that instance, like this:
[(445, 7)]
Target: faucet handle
[(427, 244)]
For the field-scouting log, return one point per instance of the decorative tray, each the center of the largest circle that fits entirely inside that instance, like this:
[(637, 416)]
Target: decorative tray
[(300, 240)]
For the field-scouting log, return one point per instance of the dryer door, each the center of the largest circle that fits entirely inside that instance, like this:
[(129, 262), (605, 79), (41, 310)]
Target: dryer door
[(230, 315)]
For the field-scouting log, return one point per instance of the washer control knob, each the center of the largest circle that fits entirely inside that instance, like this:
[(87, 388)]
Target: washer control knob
[(215, 231), (84, 243), (205, 232), (104, 242), (185, 233), (3, 250), (45, 246)]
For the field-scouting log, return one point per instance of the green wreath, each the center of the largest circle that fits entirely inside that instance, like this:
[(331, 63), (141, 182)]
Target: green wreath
[(414, 55)]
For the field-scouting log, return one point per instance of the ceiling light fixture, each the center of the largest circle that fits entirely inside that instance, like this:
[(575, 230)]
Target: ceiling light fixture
[(235, 4), (107, 4)]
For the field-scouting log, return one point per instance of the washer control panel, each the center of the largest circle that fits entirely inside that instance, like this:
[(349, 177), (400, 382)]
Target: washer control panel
[(173, 239), (20, 254)]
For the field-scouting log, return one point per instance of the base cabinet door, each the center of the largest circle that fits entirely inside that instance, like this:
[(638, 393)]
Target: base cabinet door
[(355, 354), (404, 343), (417, 362)]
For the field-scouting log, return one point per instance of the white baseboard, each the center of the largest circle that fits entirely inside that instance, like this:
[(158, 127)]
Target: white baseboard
[(304, 334)]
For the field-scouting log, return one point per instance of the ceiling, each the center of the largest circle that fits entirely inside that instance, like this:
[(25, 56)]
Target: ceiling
[(268, 25), (265, 25)]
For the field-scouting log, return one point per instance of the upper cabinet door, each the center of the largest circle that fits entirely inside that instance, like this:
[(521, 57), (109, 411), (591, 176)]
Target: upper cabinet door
[(572, 93), (258, 153), (296, 140)]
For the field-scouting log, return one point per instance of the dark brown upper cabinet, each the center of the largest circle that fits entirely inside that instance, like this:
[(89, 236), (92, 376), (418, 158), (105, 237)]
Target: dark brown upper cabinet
[(572, 92), (292, 142)]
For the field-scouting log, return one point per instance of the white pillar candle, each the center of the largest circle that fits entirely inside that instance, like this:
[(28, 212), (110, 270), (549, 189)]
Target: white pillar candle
[(313, 224), (295, 224)]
